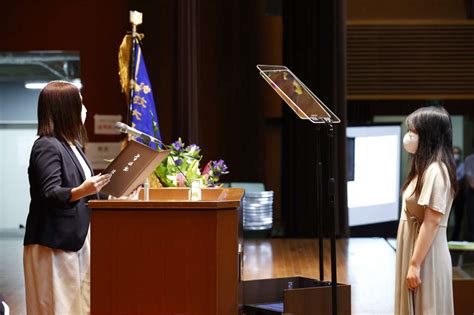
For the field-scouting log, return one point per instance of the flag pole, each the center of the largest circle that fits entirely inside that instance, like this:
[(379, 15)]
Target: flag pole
[(135, 19)]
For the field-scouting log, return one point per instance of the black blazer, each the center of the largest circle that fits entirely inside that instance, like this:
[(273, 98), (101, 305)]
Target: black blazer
[(53, 221)]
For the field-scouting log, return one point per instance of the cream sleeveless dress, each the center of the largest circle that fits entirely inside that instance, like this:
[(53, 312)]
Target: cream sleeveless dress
[(435, 294)]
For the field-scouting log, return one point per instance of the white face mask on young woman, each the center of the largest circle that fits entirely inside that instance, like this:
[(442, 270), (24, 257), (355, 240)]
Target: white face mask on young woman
[(83, 114), (410, 142)]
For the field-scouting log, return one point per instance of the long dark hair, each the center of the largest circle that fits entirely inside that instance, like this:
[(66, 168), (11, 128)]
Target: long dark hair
[(59, 112), (435, 132)]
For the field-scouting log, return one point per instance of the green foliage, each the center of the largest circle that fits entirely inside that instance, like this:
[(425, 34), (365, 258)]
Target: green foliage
[(181, 167)]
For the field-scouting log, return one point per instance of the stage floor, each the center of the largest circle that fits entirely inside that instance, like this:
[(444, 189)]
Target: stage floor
[(367, 264)]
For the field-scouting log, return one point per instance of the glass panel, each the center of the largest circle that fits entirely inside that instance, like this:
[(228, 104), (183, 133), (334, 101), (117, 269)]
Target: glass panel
[(295, 93)]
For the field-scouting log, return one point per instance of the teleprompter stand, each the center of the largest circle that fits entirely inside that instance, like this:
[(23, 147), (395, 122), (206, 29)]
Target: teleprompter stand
[(309, 107)]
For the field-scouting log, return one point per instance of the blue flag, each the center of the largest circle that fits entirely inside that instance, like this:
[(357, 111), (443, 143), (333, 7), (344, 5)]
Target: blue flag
[(143, 111)]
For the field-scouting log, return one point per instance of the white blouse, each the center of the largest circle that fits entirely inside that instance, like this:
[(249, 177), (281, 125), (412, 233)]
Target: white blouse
[(85, 167)]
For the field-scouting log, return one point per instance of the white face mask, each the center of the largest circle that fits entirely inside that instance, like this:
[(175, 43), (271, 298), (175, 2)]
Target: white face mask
[(410, 142), (83, 114)]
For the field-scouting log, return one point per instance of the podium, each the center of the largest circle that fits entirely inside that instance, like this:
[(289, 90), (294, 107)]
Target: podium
[(167, 255)]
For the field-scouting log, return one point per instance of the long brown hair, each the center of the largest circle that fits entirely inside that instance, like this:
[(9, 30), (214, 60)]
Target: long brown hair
[(435, 132), (59, 112)]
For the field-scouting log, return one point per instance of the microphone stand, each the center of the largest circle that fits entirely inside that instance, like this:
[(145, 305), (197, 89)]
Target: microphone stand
[(147, 139)]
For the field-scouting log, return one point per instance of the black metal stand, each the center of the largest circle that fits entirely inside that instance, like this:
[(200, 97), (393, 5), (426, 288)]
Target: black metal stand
[(331, 208), (318, 114), (319, 213)]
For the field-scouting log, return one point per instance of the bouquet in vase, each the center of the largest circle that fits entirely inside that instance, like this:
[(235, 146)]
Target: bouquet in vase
[(181, 167)]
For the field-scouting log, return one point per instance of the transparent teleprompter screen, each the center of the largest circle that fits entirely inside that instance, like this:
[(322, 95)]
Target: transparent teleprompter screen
[(295, 93)]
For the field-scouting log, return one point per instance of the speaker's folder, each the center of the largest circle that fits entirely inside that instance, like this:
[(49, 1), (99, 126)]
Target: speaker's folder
[(131, 168)]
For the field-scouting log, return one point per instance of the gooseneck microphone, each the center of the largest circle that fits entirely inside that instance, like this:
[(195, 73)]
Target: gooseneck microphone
[(123, 128)]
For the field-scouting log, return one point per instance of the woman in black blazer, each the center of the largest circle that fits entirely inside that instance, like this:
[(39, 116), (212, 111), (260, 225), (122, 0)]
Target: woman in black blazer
[(56, 247)]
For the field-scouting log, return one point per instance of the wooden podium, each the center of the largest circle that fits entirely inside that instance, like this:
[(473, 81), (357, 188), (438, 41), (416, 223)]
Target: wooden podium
[(167, 255)]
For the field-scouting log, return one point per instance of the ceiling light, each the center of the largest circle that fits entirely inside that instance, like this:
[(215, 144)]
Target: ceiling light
[(35, 85), (41, 85)]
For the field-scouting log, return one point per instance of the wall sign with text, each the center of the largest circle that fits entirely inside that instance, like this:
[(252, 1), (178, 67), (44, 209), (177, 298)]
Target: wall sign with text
[(105, 124)]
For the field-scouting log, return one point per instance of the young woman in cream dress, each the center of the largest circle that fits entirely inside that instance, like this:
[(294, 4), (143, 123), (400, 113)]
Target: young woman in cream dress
[(423, 268)]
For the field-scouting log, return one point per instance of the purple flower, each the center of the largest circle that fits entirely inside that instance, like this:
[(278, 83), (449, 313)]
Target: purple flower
[(192, 147), (178, 162), (219, 166), (177, 145)]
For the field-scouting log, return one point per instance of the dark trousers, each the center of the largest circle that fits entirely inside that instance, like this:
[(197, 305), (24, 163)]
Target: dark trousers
[(458, 211), (469, 198)]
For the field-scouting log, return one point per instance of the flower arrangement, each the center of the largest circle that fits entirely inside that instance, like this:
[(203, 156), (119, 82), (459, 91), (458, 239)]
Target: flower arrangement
[(181, 167)]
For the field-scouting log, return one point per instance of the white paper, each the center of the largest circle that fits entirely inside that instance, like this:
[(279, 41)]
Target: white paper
[(99, 153)]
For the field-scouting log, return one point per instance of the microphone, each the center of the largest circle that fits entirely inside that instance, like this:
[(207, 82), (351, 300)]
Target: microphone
[(123, 128)]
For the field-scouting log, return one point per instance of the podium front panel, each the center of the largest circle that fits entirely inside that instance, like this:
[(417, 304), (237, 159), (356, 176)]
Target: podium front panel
[(164, 261)]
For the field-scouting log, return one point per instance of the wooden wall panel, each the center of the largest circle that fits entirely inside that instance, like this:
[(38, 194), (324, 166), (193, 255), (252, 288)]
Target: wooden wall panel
[(410, 60), (407, 9)]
